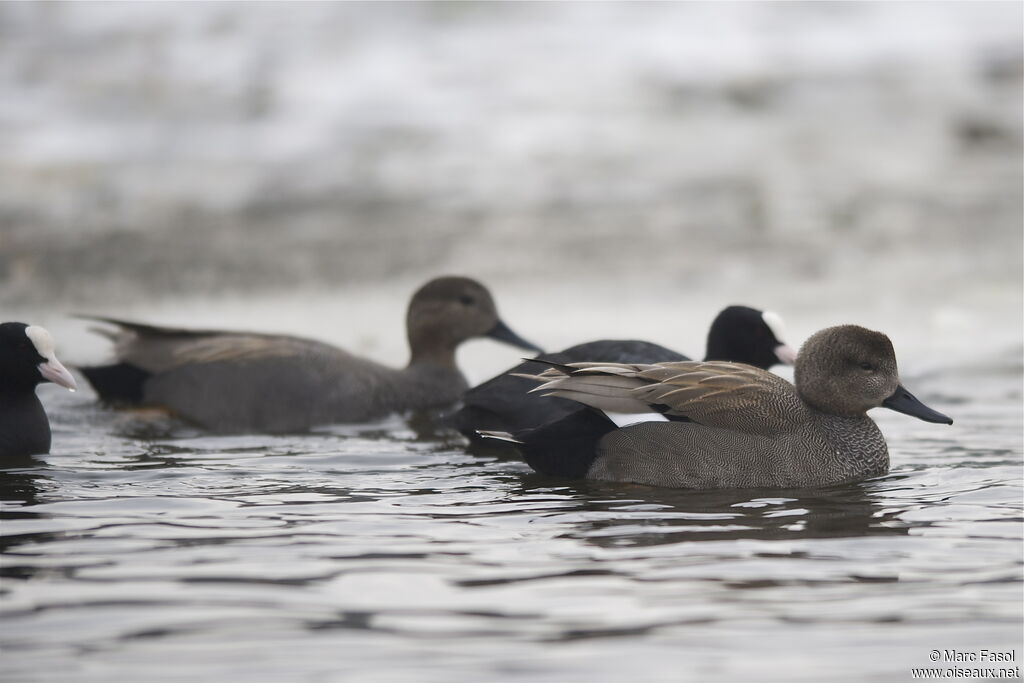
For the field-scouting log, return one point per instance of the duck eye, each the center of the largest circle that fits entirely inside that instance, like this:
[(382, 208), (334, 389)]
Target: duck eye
[(466, 300), (867, 366)]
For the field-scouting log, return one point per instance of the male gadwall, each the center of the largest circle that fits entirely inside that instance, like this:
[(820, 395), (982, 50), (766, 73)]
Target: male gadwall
[(26, 359), (738, 333), (239, 381), (714, 425)]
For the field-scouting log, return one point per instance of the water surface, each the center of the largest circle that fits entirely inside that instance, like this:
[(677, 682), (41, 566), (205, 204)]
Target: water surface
[(144, 550)]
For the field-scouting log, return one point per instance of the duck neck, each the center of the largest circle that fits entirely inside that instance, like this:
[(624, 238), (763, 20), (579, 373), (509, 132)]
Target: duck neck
[(436, 354), (432, 375), (431, 382)]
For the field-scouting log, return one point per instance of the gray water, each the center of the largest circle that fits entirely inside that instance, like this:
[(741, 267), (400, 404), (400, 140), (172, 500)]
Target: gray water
[(143, 550)]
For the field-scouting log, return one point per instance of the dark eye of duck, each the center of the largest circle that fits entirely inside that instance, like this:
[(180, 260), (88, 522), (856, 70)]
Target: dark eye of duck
[(466, 300), (867, 366)]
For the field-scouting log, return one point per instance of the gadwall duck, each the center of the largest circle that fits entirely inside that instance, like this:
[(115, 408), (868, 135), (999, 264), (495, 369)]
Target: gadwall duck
[(239, 381), (26, 359), (738, 333), (715, 425)]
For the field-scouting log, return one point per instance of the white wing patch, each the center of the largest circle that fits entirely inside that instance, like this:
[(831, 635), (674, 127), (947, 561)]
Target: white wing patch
[(497, 436), (627, 419)]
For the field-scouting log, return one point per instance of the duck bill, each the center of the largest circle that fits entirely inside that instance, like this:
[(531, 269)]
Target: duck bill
[(53, 371), (786, 354), (902, 401), (503, 333)]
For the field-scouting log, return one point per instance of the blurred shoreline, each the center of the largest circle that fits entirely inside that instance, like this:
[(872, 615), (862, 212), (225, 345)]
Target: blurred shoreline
[(614, 162)]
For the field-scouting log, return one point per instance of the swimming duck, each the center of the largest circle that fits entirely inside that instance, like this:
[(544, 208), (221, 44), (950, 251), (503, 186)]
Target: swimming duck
[(27, 359), (240, 381), (716, 425), (738, 333)]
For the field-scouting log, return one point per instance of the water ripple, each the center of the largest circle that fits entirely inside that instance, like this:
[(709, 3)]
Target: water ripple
[(181, 553)]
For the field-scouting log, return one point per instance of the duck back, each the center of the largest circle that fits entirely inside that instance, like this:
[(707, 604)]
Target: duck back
[(504, 403)]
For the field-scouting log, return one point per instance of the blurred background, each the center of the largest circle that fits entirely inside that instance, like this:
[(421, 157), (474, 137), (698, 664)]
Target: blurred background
[(609, 169)]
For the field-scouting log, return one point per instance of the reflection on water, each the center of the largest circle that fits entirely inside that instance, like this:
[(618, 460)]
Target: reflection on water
[(677, 516), (150, 551)]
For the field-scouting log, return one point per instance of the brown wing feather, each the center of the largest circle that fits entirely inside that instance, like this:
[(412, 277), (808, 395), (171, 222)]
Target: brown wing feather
[(728, 395), (159, 349)]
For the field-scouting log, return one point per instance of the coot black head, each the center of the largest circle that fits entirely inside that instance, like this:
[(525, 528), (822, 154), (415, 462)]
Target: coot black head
[(746, 335), (27, 358)]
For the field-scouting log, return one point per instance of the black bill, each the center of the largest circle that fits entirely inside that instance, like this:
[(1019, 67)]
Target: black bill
[(503, 333), (902, 401)]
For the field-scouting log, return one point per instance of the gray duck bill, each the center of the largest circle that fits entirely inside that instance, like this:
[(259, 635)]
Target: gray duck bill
[(503, 333), (902, 401)]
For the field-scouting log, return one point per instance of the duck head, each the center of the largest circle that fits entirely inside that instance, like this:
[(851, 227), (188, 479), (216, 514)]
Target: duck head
[(847, 370), (449, 310)]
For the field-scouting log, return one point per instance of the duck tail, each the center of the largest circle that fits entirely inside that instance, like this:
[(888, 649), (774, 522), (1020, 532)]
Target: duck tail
[(561, 367), (566, 447)]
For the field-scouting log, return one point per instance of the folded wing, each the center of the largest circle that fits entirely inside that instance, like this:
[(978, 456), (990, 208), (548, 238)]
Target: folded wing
[(717, 394), (160, 349)]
